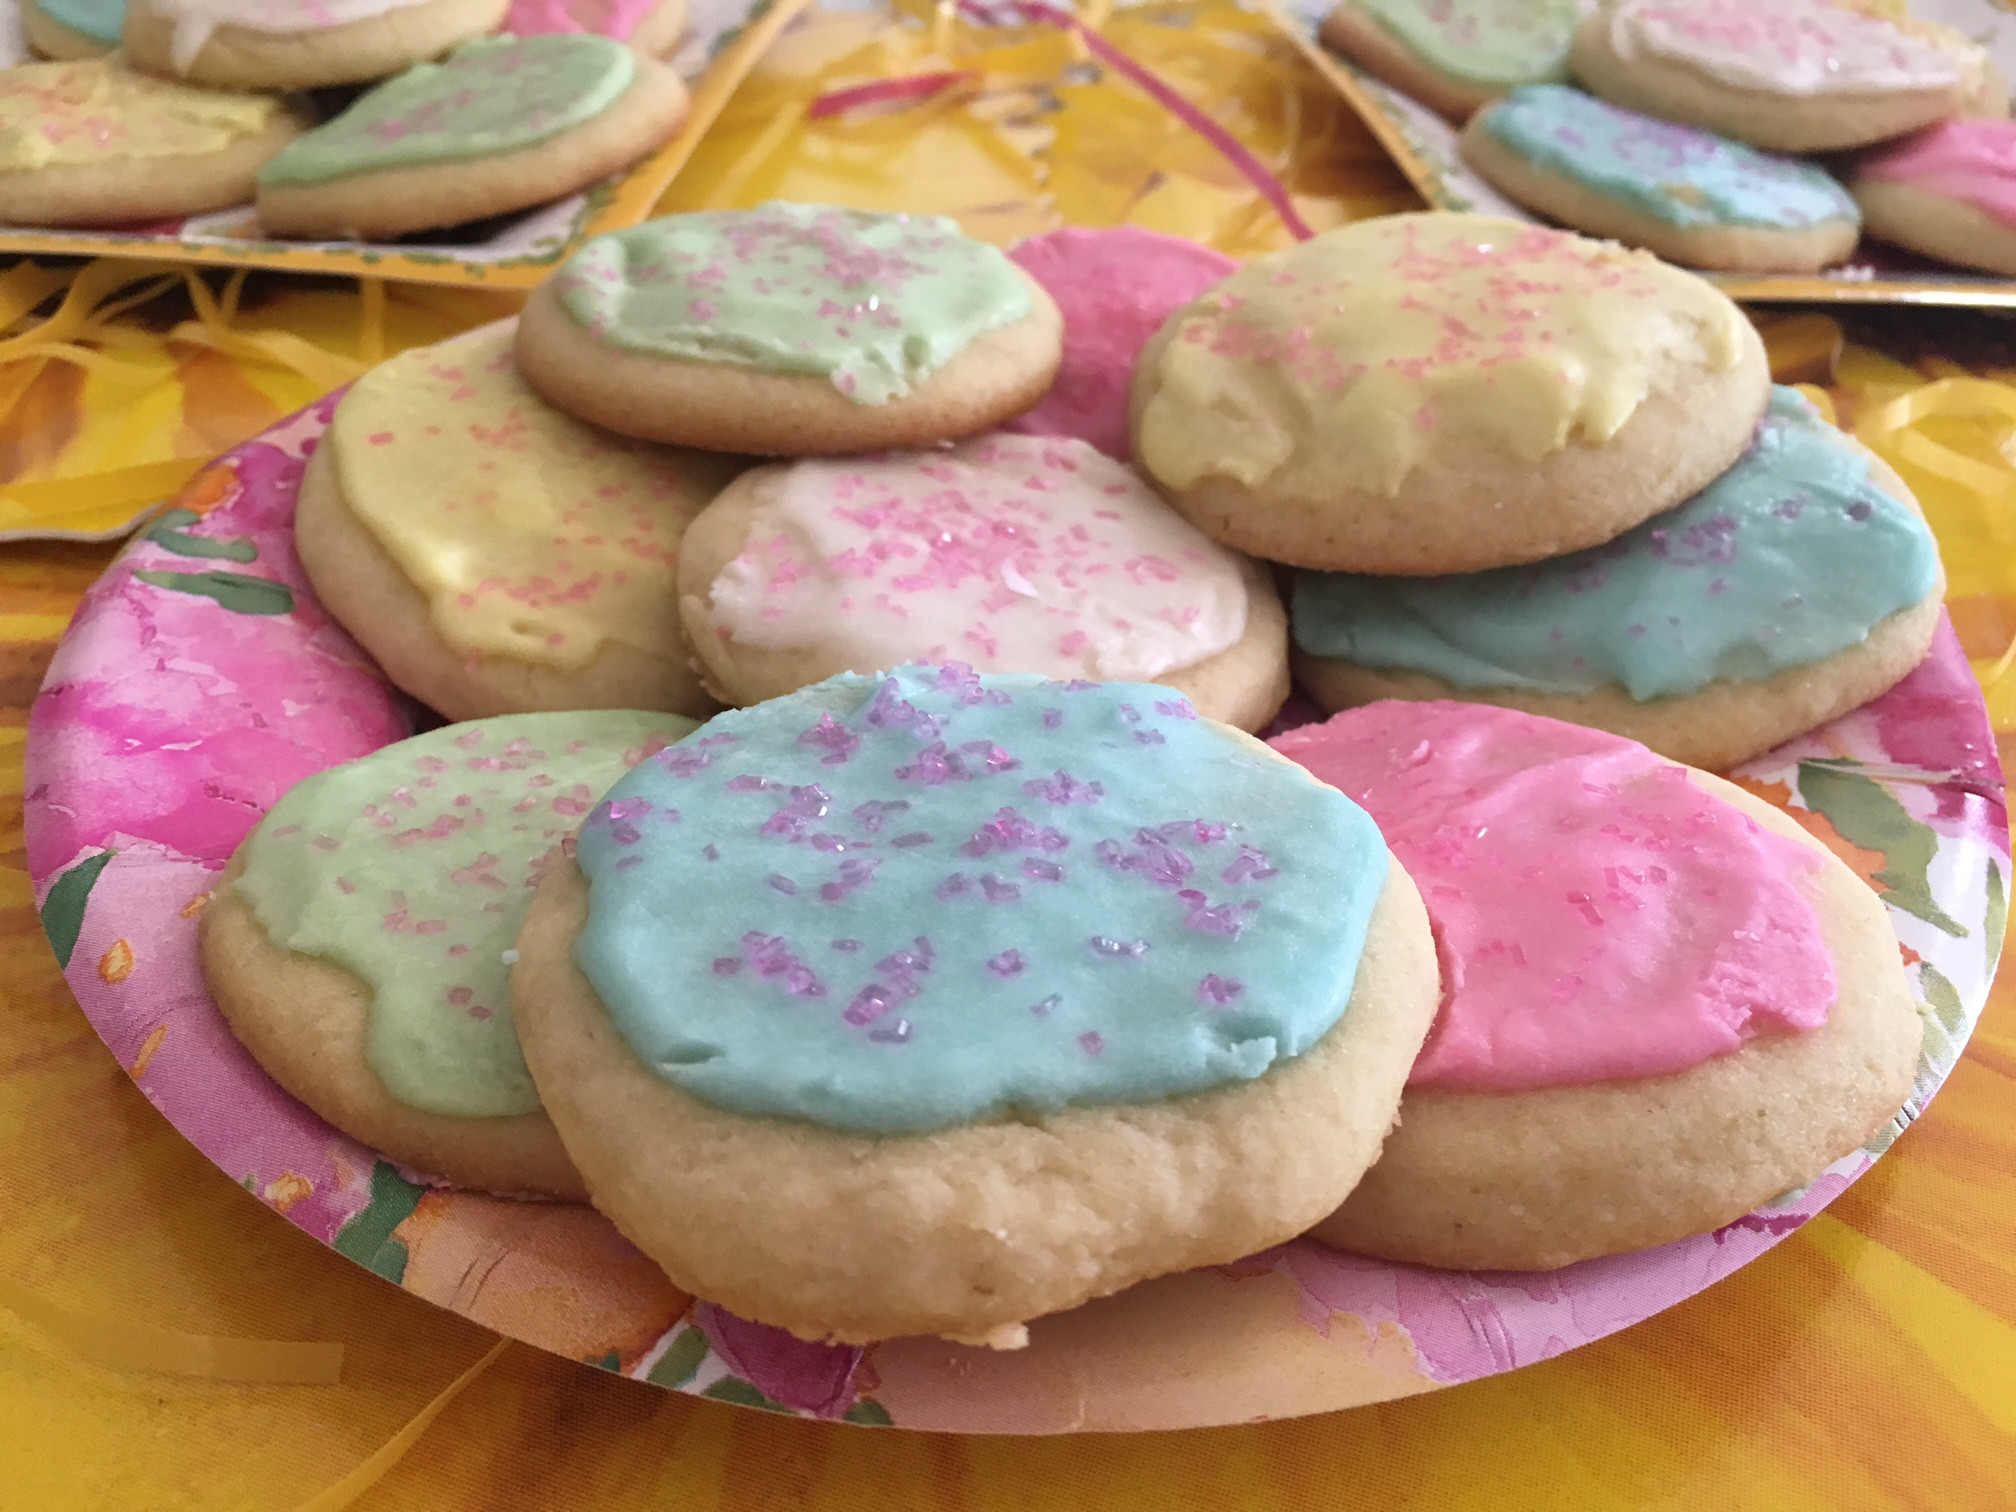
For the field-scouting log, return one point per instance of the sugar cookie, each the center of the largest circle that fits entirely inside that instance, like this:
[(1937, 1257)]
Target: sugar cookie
[(70, 29), (1787, 76), (360, 942), (1799, 585), (1009, 553), (494, 555), (1438, 393), (93, 144), (1666, 1003), (1114, 287), (1690, 196), (1456, 55), (791, 330), (653, 27), (1948, 192), (934, 1003), (298, 44), (503, 124)]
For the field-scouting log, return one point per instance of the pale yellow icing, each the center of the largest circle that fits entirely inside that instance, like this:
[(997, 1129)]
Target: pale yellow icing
[(531, 535), (1353, 355), (72, 114)]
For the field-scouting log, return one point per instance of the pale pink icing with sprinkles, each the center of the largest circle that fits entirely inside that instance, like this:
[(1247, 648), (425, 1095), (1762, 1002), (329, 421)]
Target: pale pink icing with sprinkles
[(608, 18), (1796, 47), (1007, 553)]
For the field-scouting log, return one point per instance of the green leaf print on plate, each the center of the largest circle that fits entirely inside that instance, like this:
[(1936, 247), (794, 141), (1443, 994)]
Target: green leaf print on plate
[(169, 535), (1866, 814), (234, 590), (63, 908), (367, 1236)]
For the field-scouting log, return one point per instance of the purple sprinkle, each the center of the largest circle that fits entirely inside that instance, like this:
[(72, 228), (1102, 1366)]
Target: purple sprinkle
[(1228, 919), (1129, 713), (1218, 991), (725, 966), (773, 959), (934, 767), (890, 711), (1009, 831), (627, 863), (870, 815), (1149, 737), (1860, 510), (682, 761), (848, 946), (1252, 865), (1060, 787), (1092, 1042), (832, 737), (869, 1004), (626, 834), (1007, 964), (1175, 708), (1042, 871), (831, 844), (1106, 945), (620, 809), (895, 1032), (718, 739), (1079, 685), (1048, 1006), (912, 840), (998, 891), (1149, 857), (783, 884), (954, 886), (963, 683), (1052, 718), (711, 852), (749, 783)]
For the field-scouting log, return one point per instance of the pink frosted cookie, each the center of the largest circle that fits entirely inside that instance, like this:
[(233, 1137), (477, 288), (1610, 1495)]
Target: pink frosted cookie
[(1948, 192), (1114, 287), (1788, 75), (650, 26), (1009, 553), (1664, 1003)]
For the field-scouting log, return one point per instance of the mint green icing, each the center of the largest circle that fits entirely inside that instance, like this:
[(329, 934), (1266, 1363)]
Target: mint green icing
[(501, 94), (1793, 554), (1493, 43), (412, 868), (887, 905), (875, 303), (100, 20), (1681, 175)]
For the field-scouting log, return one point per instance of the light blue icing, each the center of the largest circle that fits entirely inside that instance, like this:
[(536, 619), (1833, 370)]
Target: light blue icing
[(1679, 174), (1792, 555), (100, 20), (891, 905)]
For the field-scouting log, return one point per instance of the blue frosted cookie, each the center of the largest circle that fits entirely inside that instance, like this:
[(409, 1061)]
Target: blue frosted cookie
[(1691, 196), (933, 1002), (71, 29), (1797, 586)]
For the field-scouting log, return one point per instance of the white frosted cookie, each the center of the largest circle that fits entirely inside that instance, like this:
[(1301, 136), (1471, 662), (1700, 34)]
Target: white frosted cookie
[(1010, 553), (937, 1002), (360, 942), (1434, 393), (1665, 1003), (1787, 76), (493, 554), (298, 44)]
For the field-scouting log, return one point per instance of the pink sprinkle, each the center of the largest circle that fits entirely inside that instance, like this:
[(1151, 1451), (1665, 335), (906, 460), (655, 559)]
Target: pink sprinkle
[(1007, 964), (1092, 1042), (1219, 991), (461, 997)]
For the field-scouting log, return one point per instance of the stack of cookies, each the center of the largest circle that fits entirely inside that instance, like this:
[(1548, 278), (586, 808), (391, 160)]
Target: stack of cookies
[(161, 109), (1692, 129), (980, 964)]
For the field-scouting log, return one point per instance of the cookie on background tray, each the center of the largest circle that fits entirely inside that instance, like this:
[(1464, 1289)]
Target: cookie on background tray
[(91, 143), (653, 27), (934, 1003), (68, 29), (493, 554), (1948, 192), (1799, 585), (1008, 553), (1455, 55), (298, 44), (1694, 198), (500, 125), (791, 330), (1434, 393), (359, 944), (1665, 1003), (1788, 75)]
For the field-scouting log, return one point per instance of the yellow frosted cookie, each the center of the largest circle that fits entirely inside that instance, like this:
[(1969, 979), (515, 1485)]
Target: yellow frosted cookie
[(1437, 393)]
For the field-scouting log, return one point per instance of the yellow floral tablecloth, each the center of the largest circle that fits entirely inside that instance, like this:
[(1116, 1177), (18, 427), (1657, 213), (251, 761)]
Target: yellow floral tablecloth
[(1867, 1362)]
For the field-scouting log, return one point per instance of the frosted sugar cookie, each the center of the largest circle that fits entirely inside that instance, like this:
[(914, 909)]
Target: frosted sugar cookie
[(1008, 553), (937, 1002), (67, 29), (503, 124), (1437, 393), (1456, 55), (1114, 287), (1664, 1003), (1788, 76), (493, 554), (1798, 585), (298, 44), (791, 330), (1948, 192), (653, 27), (94, 144), (1688, 195), (360, 943)]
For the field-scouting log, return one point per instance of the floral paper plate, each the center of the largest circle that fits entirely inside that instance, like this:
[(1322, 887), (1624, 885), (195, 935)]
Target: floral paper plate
[(201, 679)]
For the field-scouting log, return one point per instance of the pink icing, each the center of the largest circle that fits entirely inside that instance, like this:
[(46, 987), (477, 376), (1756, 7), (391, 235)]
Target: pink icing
[(1971, 160), (609, 18), (1598, 916), (1802, 47), (1114, 287)]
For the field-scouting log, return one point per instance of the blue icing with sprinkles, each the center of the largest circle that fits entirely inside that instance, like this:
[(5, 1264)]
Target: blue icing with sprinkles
[(1793, 554), (100, 20), (888, 905), (1682, 175)]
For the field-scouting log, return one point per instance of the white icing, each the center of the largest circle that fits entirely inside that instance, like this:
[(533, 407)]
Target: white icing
[(197, 20), (1010, 553), (1795, 47)]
